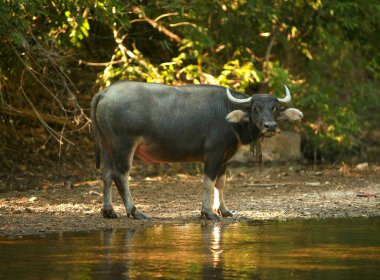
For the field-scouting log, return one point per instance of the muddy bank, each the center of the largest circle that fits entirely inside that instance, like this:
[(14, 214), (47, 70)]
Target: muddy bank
[(269, 193)]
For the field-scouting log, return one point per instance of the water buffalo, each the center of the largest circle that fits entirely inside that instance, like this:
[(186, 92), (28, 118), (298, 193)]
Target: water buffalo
[(159, 123)]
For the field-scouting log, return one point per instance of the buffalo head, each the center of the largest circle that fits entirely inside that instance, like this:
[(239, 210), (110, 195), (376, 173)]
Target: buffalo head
[(262, 111)]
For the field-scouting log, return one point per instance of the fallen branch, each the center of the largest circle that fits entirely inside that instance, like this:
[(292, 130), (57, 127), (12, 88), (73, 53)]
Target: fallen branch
[(271, 184), (30, 114)]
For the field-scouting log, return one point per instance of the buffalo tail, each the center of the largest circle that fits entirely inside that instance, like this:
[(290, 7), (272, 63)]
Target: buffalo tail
[(95, 128)]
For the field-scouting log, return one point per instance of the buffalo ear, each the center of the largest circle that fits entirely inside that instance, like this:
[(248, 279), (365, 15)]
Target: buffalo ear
[(291, 114), (237, 116)]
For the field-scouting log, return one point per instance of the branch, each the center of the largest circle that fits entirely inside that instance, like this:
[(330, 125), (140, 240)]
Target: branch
[(159, 26), (30, 114), (165, 15), (164, 30), (266, 60), (269, 49), (100, 64), (183, 23)]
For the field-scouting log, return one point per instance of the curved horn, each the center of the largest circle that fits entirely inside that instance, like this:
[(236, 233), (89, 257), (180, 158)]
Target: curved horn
[(287, 98), (237, 100)]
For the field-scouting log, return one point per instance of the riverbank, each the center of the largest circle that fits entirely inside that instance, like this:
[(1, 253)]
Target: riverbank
[(286, 192)]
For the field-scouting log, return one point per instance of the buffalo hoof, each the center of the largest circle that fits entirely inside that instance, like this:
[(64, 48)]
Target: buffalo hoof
[(109, 213), (226, 213), (140, 216), (137, 215), (210, 216)]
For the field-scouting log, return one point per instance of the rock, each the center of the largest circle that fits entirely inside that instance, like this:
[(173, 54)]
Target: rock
[(362, 166), (182, 176), (153, 179), (33, 198), (285, 146), (92, 192)]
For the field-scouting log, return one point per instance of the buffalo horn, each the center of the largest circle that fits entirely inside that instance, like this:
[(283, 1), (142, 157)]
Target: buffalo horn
[(237, 100), (287, 98)]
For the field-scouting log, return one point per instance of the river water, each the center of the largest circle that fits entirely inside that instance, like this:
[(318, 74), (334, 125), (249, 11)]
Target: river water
[(294, 249)]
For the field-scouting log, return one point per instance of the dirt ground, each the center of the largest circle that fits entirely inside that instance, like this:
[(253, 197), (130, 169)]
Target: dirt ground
[(284, 192)]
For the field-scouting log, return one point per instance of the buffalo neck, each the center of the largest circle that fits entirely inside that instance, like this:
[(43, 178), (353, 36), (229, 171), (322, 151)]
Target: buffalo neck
[(247, 133)]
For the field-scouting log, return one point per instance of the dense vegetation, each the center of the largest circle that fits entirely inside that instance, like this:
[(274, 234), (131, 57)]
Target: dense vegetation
[(56, 54)]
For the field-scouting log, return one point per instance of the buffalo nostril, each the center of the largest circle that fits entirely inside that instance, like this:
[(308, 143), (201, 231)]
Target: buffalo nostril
[(270, 125)]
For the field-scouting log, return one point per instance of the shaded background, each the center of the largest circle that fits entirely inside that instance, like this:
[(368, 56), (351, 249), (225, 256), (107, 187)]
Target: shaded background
[(55, 55)]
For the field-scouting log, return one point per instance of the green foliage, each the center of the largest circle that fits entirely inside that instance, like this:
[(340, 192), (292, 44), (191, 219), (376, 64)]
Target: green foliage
[(325, 51)]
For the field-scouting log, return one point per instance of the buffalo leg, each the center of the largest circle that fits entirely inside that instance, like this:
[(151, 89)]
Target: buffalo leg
[(107, 209), (121, 170), (212, 166), (208, 186), (219, 204)]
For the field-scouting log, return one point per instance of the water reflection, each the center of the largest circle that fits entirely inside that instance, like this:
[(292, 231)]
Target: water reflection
[(109, 268), (215, 246), (161, 250), (332, 249)]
